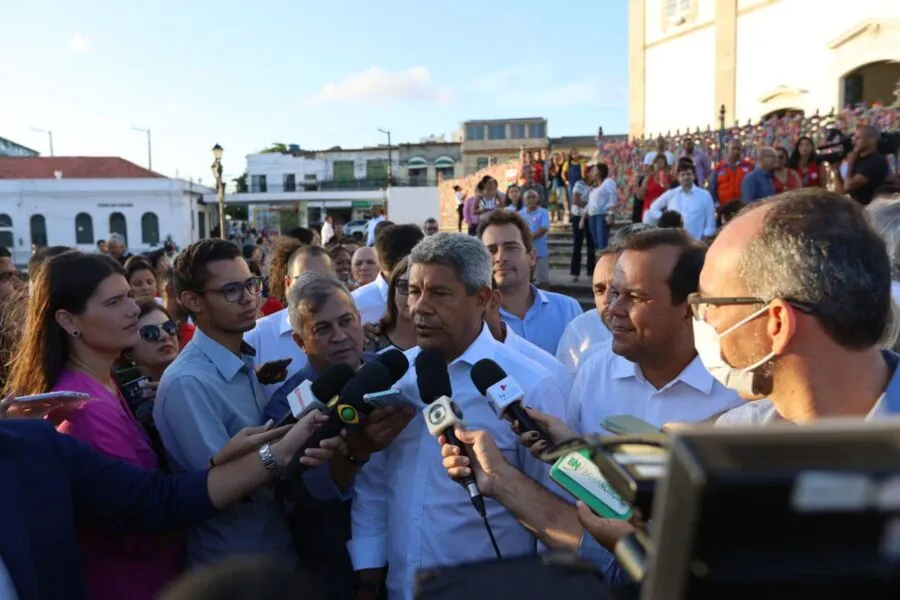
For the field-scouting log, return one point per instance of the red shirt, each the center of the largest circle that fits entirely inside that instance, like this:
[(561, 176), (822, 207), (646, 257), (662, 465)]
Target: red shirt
[(791, 182), (810, 175), (272, 305), (654, 190), (185, 333)]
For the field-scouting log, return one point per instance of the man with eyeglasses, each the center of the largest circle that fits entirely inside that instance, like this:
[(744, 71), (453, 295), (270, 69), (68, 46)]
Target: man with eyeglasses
[(210, 392), (793, 300)]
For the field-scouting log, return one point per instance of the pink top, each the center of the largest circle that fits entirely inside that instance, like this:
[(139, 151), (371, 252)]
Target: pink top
[(117, 566)]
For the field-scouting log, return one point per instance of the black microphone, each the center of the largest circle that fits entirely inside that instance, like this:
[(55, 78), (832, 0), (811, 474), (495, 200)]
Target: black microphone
[(347, 409), (315, 395), (504, 395), (443, 414)]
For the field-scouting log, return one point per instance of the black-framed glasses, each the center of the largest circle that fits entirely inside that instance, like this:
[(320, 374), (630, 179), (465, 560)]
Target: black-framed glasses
[(153, 333), (233, 292), (700, 304)]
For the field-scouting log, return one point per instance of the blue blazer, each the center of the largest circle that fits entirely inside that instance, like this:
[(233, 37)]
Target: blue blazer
[(50, 482)]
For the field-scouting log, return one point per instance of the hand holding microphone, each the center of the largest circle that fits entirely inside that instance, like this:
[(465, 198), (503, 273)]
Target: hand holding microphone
[(504, 395)]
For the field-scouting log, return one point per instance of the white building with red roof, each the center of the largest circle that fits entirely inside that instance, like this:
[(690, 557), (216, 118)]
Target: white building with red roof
[(78, 200)]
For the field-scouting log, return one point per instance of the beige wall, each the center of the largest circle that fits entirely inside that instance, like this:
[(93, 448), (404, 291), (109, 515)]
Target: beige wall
[(743, 54)]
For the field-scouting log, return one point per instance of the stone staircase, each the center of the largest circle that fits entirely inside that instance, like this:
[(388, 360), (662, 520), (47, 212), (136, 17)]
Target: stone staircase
[(559, 242)]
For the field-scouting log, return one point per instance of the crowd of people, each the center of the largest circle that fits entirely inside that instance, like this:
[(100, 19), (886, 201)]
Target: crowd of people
[(171, 445)]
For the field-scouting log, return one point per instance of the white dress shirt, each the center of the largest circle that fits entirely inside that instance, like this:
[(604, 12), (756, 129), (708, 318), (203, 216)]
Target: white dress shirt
[(370, 229), (695, 207), (542, 357), (371, 300), (327, 232), (582, 332), (408, 513), (608, 385), (273, 339)]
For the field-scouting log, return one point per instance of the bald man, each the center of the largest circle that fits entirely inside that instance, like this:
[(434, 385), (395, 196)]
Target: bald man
[(760, 183), (867, 170), (364, 265)]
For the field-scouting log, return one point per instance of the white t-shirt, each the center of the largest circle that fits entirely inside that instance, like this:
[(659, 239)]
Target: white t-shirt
[(460, 198), (602, 198), (327, 232)]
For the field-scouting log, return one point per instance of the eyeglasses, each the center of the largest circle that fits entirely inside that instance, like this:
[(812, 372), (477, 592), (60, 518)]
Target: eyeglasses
[(153, 333), (700, 305), (233, 292)]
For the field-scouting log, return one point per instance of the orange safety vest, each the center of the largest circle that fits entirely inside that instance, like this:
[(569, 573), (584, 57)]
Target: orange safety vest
[(728, 180)]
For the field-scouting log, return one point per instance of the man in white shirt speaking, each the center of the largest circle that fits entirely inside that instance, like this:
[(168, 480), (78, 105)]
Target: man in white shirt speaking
[(407, 513), (393, 244), (693, 203)]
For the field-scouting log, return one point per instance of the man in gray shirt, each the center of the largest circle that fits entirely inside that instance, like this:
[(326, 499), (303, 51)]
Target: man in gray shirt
[(211, 392)]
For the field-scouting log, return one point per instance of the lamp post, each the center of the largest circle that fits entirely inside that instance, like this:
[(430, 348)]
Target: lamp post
[(220, 187), (721, 132), (390, 168), (149, 147), (49, 135)]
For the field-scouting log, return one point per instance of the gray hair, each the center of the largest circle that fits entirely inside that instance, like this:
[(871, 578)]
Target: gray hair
[(620, 236), (116, 238), (530, 192), (464, 254), (884, 214), (817, 248), (309, 294)]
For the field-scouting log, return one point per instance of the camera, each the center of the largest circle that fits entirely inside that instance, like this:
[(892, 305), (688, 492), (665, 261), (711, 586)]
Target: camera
[(838, 144)]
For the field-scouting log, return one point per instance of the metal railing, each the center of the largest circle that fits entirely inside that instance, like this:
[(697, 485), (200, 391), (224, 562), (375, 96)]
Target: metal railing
[(341, 184)]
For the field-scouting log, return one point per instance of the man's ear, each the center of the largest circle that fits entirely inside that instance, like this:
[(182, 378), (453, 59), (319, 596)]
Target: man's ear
[(191, 302), (299, 340), (532, 257), (781, 325)]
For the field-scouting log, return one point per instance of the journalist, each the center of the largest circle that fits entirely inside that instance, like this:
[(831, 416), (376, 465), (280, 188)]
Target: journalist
[(867, 169)]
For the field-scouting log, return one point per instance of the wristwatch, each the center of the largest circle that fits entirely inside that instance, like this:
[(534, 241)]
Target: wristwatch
[(269, 462)]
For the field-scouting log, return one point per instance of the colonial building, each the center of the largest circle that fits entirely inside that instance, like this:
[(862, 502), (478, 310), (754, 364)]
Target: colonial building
[(77, 200), (755, 58), (428, 161), (499, 140)]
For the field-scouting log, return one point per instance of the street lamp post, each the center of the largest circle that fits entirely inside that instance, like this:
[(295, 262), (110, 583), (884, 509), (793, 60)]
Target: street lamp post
[(49, 136), (721, 132), (149, 147), (390, 167), (220, 187)]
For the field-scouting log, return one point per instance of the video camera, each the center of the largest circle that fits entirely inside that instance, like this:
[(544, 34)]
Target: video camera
[(838, 144)]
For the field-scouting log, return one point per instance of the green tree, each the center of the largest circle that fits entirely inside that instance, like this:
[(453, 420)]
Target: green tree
[(240, 183), (275, 148)]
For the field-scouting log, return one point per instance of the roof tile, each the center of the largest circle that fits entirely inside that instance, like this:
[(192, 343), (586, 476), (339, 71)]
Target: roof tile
[(72, 167)]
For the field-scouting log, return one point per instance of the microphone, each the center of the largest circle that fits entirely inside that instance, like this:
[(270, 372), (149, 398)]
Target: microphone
[(312, 395), (347, 409), (441, 413), (504, 395)]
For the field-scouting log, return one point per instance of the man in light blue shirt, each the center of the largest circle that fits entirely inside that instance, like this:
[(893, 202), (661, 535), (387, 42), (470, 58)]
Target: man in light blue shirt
[(407, 513), (538, 220), (536, 315), (210, 392), (760, 183)]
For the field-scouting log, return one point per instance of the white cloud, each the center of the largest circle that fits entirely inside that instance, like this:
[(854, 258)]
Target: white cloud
[(78, 43), (376, 84)]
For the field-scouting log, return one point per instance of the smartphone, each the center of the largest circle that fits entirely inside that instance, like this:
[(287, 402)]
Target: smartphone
[(60, 396), (123, 376), (626, 424), (391, 397), (274, 367), (577, 474)]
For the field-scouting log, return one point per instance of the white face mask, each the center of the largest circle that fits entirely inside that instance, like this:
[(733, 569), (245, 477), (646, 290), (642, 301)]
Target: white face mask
[(708, 343)]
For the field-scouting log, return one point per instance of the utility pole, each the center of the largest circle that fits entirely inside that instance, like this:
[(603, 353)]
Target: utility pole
[(390, 167), (49, 136), (149, 147)]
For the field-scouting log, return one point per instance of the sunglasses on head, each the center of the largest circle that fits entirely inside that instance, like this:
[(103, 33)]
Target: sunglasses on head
[(153, 333)]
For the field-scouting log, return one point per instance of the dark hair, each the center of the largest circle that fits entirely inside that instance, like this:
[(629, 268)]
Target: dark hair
[(285, 247), (521, 196), (671, 219), (338, 248), (602, 170), (389, 320), (794, 159), (138, 263), (65, 282), (301, 234), (100, 242), (818, 248), (380, 226), (686, 165), (4, 252), (242, 578), (394, 243), (247, 250), (191, 272), (484, 181), (146, 306), (685, 276), (42, 255), (506, 217), (155, 257)]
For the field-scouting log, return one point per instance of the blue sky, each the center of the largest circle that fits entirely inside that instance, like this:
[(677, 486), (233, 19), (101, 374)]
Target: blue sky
[(318, 74)]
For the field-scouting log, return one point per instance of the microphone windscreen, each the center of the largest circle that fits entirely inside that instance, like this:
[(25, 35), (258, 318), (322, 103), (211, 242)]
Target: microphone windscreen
[(396, 363), (432, 376), (371, 377), (330, 382), (486, 373)]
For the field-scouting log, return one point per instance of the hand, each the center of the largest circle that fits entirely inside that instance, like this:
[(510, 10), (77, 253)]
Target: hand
[(382, 427), (852, 157), (9, 409), (248, 440), (372, 331), (607, 532), (488, 463), (287, 447), (557, 429)]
